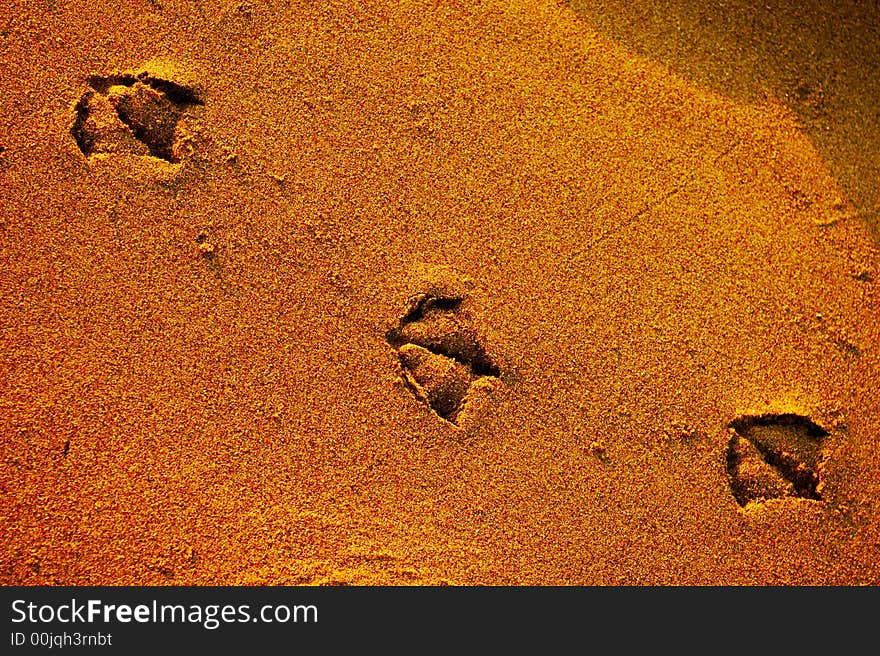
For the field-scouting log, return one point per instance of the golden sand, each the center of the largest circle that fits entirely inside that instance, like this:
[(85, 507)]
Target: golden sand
[(649, 307)]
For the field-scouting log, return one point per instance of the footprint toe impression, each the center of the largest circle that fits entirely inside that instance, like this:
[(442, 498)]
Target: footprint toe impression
[(775, 456), (443, 359), (441, 381)]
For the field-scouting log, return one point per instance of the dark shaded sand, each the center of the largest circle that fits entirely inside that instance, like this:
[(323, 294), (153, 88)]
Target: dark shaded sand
[(818, 58), (645, 304)]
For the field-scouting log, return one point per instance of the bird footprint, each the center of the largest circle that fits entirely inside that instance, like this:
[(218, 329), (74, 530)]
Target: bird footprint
[(444, 358), (775, 456)]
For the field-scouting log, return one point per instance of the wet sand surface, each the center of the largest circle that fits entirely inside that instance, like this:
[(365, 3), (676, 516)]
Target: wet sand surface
[(476, 293)]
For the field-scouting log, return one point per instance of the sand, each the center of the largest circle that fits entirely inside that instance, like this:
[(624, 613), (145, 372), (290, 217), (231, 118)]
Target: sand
[(647, 305)]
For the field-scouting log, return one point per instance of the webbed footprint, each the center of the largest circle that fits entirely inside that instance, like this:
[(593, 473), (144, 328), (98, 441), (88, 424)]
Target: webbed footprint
[(444, 358), (775, 456), (137, 115)]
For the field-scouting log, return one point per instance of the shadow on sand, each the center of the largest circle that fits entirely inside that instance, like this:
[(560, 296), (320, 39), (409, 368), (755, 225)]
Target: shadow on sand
[(820, 58)]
